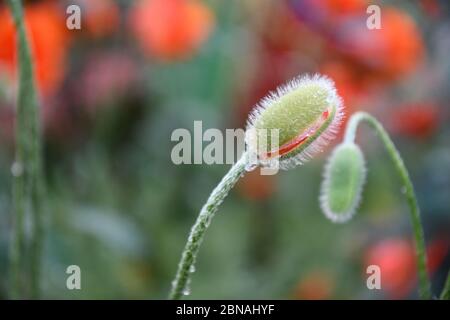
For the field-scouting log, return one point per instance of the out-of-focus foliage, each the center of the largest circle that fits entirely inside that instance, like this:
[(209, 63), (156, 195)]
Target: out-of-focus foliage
[(113, 92)]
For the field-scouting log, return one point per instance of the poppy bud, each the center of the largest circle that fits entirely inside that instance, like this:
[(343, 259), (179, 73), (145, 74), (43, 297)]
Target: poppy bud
[(343, 182), (305, 113)]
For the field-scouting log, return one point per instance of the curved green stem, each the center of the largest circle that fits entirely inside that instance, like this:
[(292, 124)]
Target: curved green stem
[(28, 185), (181, 283), (424, 282), (445, 295)]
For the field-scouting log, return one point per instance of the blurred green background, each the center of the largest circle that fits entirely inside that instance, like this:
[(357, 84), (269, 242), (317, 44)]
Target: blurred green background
[(113, 92)]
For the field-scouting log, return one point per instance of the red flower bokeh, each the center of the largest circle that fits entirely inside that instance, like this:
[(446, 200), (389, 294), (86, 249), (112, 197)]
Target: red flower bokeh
[(396, 258), (100, 17), (317, 285), (48, 35), (392, 51), (418, 120), (170, 29)]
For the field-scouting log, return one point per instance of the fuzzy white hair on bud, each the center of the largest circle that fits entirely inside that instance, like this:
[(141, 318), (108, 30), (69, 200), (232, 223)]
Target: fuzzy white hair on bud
[(306, 112)]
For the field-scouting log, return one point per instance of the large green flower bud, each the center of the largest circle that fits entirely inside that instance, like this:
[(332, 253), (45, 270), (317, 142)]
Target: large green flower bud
[(305, 114)]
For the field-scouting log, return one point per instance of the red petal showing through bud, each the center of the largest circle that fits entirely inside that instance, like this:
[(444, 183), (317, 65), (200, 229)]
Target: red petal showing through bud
[(300, 139)]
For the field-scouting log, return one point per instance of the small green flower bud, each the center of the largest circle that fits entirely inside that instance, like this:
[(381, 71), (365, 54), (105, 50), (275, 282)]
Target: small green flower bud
[(343, 182), (305, 113)]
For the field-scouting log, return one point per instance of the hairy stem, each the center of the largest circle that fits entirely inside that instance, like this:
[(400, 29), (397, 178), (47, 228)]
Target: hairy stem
[(424, 282), (28, 185), (189, 255)]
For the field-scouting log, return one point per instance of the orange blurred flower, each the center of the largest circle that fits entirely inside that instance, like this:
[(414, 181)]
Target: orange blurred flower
[(345, 7), (394, 50), (396, 259), (100, 17), (348, 84), (418, 120), (170, 29), (46, 28), (317, 285)]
